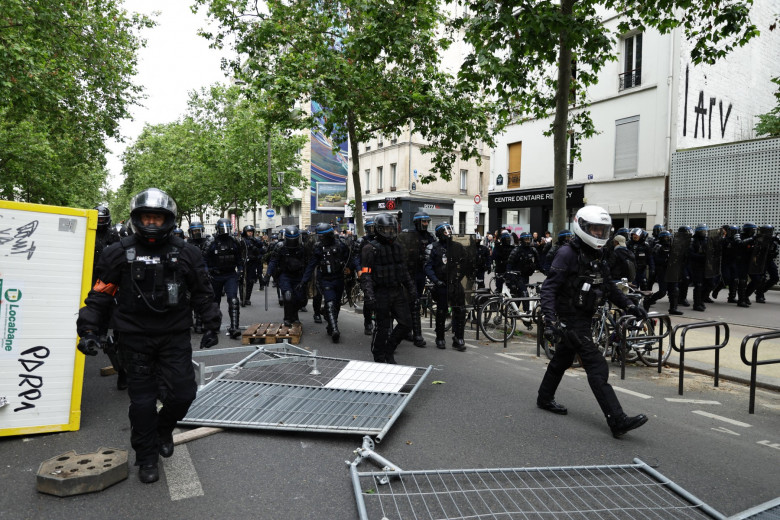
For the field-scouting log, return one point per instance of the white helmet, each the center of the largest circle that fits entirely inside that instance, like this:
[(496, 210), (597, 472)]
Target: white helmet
[(592, 225)]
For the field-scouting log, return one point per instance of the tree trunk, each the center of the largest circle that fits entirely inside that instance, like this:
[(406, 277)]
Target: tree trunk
[(353, 150), (560, 126)]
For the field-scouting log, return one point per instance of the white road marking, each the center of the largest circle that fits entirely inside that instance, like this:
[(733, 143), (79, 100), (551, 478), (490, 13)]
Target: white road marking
[(631, 392), (721, 418), (513, 358), (691, 401), (183, 481), (775, 445), (726, 430)]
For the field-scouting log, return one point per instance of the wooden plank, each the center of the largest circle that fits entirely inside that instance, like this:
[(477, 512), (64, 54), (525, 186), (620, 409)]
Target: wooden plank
[(197, 433)]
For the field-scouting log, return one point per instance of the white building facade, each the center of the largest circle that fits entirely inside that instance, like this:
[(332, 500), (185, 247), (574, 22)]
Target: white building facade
[(650, 103)]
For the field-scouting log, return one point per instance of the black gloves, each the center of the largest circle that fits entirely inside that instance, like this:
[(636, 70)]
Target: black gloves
[(552, 332), (439, 284), (266, 279), (637, 311), (89, 344), (209, 339)]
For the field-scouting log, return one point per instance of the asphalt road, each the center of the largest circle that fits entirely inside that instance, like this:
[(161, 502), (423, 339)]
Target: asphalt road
[(481, 414)]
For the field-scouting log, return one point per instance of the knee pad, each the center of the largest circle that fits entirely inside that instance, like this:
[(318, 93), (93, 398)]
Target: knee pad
[(288, 296)]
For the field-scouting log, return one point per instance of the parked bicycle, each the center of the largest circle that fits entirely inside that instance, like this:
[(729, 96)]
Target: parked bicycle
[(499, 314)]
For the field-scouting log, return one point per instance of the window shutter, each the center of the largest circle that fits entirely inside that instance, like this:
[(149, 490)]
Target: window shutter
[(626, 146)]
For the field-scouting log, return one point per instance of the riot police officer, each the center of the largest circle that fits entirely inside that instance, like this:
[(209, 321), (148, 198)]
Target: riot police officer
[(197, 237), (578, 283), (642, 257), (769, 277), (178, 232), (661, 251), (685, 274), (500, 256), (357, 248), (330, 257), (525, 260), (388, 288), (445, 267), (156, 279), (697, 259), (745, 255), (728, 263), (564, 236), (225, 263), (287, 264), (104, 236), (482, 260), (417, 246), (253, 263)]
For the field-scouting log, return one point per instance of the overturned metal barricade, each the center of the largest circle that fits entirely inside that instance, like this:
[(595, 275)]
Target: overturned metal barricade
[(284, 387), (619, 491)]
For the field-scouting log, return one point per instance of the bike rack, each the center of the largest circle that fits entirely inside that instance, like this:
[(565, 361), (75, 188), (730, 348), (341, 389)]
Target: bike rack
[(506, 301), (664, 323), (757, 338), (716, 347)]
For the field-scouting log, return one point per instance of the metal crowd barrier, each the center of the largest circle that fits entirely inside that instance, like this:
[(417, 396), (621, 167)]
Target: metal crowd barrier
[(757, 338), (664, 331), (682, 349)]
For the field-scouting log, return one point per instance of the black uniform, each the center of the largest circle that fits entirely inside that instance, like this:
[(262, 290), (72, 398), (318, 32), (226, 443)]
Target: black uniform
[(225, 264), (643, 260), (390, 291), (253, 252), (445, 270), (579, 281), (524, 259), (622, 264), (155, 289), (357, 254)]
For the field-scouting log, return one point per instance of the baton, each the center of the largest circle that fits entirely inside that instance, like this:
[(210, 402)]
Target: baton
[(266, 296)]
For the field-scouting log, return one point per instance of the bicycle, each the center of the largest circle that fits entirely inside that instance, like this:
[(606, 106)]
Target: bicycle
[(499, 314)]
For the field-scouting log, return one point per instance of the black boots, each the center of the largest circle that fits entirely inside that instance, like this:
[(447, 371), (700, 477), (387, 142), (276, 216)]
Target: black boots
[(623, 424), (440, 343), (673, 303), (233, 309), (148, 473), (698, 298), (368, 328), (458, 344), (742, 294), (331, 314), (458, 327), (551, 406), (417, 338), (166, 445)]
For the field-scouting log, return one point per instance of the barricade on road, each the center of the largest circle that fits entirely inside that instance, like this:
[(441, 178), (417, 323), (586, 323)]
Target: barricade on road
[(754, 362), (716, 347)]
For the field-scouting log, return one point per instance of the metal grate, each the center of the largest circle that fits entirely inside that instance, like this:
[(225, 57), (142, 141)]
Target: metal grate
[(289, 388), (577, 492), (766, 511)]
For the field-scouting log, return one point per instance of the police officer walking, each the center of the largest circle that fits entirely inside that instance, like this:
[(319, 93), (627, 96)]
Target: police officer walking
[(578, 283), (156, 279), (388, 288), (253, 263), (500, 256), (445, 267), (357, 248), (330, 257), (416, 252), (225, 263), (642, 257), (661, 252), (770, 275), (697, 259), (287, 264)]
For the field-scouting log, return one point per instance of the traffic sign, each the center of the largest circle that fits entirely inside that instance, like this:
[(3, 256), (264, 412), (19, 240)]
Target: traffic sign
[(270, 213), (477, 199), (476, 219)]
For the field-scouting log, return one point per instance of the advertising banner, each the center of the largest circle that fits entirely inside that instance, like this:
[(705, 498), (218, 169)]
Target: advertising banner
[(46, 257)]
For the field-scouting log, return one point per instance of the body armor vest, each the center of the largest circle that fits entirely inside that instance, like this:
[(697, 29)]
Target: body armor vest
[(222, 259), (641, 251), (332, 264), (151, 281), (587, 289), (291, 261), (729, 250), (661, 255), (523, 259), (389, 268)]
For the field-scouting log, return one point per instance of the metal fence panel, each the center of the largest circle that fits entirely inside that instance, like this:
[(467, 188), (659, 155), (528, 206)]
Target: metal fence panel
[(291, 389)]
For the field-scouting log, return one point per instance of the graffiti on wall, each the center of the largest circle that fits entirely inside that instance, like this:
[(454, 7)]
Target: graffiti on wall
[(703, 112)]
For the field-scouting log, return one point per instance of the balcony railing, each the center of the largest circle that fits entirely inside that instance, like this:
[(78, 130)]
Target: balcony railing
[(630, 79)]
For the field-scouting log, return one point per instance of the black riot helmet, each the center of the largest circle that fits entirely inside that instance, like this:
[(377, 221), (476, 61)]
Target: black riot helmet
[(196, 230), (525, 238), (444, 232), (665, 238), (685, 229), (564, 236), (104, 217), (657, 230), (247, 229), (153, 201), (369, 226), (766, 230), (506, 238), (325, 233), (386, 227), (292, 237), (701, 230), (178, 232), (748, 229), (421, 221), (623, 232), (224, 227)]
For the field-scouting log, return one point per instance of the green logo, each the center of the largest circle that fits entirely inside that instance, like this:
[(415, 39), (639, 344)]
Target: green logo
[(13, 295)]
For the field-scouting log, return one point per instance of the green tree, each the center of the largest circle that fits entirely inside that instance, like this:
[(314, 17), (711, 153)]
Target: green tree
[(215, 156), (769, 123), (523, 51), (66, 73), (373, 67)]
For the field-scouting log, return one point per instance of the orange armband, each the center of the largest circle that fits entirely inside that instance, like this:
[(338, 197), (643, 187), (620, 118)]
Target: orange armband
[(107, 288), (365, 270)]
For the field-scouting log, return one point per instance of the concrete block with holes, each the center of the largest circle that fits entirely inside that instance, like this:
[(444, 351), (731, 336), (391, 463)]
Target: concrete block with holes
[(74, 474)]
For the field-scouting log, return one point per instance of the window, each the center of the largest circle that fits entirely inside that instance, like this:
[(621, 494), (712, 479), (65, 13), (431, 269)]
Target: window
[(462, 222), (632, 62), (464, 177), (380, 142), (368, 147), (368, 181), (380, 178), (513, 167), (626, 146), (393, 176), (394, 139)]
